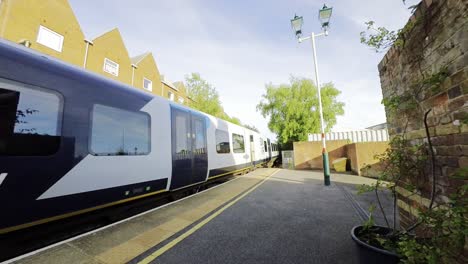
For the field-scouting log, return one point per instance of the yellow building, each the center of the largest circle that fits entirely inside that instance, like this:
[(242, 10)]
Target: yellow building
[(145, 73), (174, 91), (108, 56), (49, 26)]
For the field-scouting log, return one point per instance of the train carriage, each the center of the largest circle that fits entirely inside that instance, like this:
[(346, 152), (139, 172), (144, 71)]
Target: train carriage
[(72, 141)]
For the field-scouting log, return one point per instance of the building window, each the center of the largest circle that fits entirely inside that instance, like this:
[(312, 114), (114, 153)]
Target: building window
[(117, 132), (30, 121), (170, 95), (147, 84), (181, 100), (222, 141), (50, 38), (111, 67), (238, 145)]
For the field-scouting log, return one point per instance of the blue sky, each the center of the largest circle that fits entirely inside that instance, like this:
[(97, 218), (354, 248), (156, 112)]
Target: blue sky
[(239, 46)]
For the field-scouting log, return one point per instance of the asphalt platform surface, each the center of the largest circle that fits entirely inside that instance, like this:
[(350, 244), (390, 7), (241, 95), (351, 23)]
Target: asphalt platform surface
[(290, 218)]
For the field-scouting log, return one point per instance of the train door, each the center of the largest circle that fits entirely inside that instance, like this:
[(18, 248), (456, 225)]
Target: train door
[(252, 150), (200, 156), (269, 148), (189, 156)]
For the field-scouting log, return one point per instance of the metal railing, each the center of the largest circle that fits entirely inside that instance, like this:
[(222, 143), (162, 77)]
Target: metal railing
[(354, 136)]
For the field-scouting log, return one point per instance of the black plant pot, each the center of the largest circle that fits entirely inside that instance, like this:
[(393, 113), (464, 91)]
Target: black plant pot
[(370, 254)]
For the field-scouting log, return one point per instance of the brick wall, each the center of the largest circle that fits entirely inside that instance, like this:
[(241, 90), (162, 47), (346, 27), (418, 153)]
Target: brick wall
[(438, 43)]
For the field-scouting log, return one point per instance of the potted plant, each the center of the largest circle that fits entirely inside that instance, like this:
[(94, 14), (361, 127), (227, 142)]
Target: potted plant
[(440, 229)]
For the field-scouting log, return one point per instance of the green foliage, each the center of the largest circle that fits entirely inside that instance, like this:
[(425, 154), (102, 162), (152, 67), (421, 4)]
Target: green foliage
[(445, 229), (206, 98), (289, 109), (378, 38), (370, 222)]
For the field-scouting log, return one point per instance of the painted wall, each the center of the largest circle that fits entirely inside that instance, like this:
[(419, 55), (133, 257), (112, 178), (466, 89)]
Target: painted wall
[(361, 154), (147, 68), (110, 45), (308, 154), (20, 20)]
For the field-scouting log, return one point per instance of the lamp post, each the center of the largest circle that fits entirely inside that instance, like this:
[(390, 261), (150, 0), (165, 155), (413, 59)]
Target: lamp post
[(296, 23)]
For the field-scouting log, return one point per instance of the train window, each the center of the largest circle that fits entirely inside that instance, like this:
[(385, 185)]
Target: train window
[(222, 141), (261, 144), (265, 145), (238, 145), (30, 121), (117, 132)]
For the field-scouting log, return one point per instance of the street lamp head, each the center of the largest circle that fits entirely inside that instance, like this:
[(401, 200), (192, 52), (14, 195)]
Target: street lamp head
[(296, 24), (324, 16)]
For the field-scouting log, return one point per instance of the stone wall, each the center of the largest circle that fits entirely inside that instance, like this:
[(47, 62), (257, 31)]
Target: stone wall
[(432, 65)]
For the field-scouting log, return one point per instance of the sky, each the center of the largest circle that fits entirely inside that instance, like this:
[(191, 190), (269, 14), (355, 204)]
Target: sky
[(240, 46)]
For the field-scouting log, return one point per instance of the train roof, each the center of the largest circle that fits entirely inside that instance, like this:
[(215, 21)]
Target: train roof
[(50, 64), (24, 55)]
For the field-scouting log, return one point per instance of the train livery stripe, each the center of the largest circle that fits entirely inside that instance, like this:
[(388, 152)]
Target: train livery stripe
[(58, 217)]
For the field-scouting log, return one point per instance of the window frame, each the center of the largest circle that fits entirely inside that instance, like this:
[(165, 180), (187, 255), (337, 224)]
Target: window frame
[(233, 149), (216, 145), (40, 33), (91, 126), (17, 86), (171, 95), (150, 84), (110, 72)]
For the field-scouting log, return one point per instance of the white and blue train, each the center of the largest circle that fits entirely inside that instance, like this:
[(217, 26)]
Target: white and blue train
[(72, 141)]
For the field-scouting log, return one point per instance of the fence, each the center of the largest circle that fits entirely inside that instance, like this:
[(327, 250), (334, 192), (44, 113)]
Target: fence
[(354, 136)]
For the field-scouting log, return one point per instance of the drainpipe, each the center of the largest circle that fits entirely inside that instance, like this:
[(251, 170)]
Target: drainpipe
[(4, 5), (88, 42), (133, 72)]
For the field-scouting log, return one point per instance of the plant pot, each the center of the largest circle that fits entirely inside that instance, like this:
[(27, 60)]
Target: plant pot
[(370, 254)]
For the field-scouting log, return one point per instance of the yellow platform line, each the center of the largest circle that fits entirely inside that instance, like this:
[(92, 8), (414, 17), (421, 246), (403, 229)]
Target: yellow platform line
[(174, 242)]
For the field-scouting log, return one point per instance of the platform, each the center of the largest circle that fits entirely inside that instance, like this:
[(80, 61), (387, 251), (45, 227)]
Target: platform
[(266, 216)]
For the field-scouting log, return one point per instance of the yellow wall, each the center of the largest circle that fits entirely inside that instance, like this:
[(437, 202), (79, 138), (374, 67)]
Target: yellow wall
[(20, 20), (147, 68), (308, 154), (110, 45), (362, 154)]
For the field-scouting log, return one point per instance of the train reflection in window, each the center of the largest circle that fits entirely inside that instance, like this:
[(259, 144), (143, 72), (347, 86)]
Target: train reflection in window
[(117, 132), (30, 121), (222, 141)]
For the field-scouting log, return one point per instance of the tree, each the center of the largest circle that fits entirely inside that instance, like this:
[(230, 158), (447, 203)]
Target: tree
[(206, 98), (289, 108), (204, 95)]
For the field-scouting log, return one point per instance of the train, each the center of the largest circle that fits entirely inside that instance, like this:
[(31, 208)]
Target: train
[(73, 141)]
